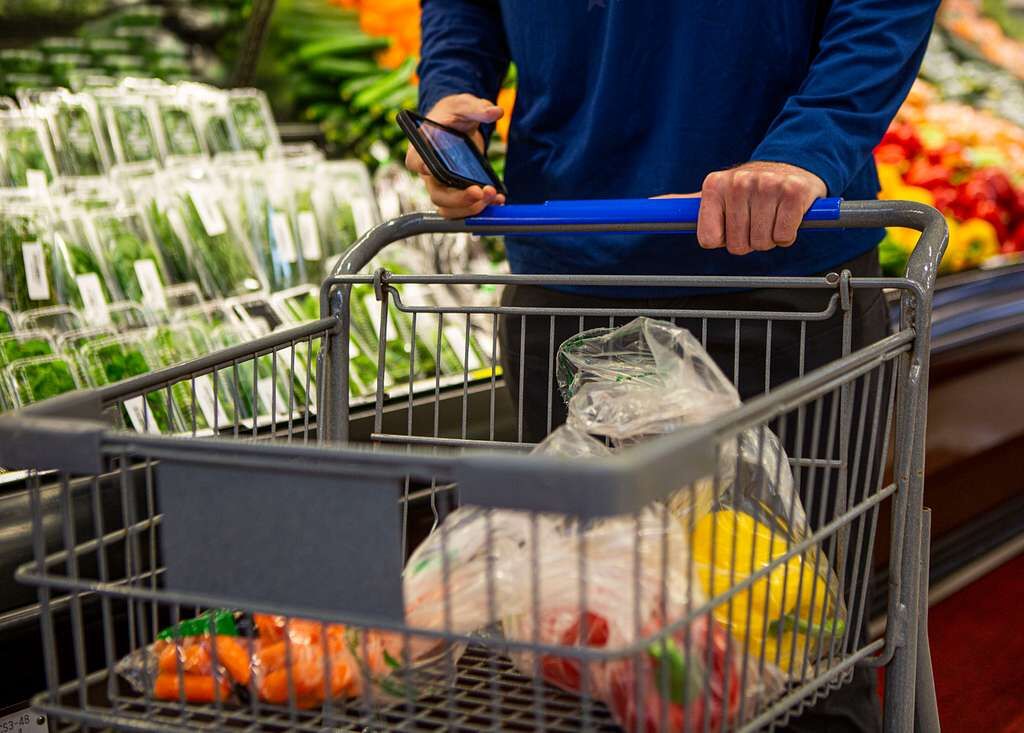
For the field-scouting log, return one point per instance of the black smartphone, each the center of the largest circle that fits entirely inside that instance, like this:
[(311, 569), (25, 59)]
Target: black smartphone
[(450, 155)]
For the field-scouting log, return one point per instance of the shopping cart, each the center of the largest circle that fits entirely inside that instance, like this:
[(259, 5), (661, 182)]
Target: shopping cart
[(308, 511)]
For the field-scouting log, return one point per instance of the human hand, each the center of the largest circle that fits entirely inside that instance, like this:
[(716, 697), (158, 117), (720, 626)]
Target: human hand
[(755, 207), (465, 113)]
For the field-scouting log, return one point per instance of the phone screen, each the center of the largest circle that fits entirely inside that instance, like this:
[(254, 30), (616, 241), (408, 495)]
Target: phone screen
[(455, 153)]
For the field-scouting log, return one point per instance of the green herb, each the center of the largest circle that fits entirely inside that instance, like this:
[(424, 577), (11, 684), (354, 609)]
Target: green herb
[(6, 321), (111, 361), (224, 258), (133, 130), (181, 267), (80, 146), (123, 244), (247, 113), (217, 132), (180, 134), (42, 378), (21, 237), (23, 151), (24, 346)]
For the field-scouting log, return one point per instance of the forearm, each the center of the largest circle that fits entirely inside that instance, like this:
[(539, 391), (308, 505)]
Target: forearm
[(463, 50), (867, 60)]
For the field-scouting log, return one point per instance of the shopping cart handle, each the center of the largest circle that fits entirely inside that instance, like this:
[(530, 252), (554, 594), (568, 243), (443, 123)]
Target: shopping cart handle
[(614, 212)]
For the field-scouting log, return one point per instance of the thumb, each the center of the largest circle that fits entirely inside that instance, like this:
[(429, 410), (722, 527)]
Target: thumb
[(677, 196), (475, 109)]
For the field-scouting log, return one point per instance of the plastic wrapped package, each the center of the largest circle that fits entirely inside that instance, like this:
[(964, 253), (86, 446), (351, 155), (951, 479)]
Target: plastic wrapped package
[(136, 265), (30, 275), (130, 127), (110, 360), (79, 142), (650, 377), (252, 119), (55, 319), (222, 250), (526, 571), (24, 344), (348, 204), (229, 657), (39, 378), (26, 152)]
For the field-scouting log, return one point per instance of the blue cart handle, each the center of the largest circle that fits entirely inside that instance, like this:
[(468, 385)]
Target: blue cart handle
[(615, 212)]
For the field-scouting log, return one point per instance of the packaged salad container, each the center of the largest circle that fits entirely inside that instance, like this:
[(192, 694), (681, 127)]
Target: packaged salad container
[(135, 261), (253, 121), (25, 151), (55, 318), (111, 360), (78, 138), (130, 127), (39, 378), (31, 276), (25, 344)]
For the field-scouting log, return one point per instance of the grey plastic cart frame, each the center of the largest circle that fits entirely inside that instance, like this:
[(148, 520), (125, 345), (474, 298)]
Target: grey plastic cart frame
[(279, 515)]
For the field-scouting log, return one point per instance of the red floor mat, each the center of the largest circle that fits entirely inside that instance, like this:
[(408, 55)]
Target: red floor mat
[(977, 642)]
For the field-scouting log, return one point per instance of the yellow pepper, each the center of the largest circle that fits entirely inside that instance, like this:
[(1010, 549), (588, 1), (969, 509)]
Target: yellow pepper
[(784, 613), (976, 240)]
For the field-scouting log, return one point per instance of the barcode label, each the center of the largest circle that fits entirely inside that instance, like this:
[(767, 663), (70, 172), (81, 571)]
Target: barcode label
[(151, 284), (206, 399), (209, 214), (282, 231), (457, 338), (35, 271), (93, 301), (35, 179), (362, 215), (309, 234), (141, 419), (272, 398)]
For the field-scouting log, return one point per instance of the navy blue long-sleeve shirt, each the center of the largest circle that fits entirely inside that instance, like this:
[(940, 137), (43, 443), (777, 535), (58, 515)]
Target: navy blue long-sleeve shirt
[(635, 98)]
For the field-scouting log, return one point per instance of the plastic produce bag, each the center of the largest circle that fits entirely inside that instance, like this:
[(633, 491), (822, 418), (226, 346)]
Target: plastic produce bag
[(650, 377), (481, 567)]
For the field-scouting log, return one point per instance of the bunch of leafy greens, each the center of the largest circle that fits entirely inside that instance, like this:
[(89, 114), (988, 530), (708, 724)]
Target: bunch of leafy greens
[(41, 378)]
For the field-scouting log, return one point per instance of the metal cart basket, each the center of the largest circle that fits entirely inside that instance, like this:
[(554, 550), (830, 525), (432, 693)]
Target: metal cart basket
[(274, 518)]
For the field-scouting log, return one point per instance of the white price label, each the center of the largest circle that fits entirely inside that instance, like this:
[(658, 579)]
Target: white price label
[(206, 399), (35, 179), (362, 215), (282, 231), (457, 338), (309, 234), (35, 271), (390, 205), (270, 396), (178, 226), (151, 284), (209, 213), (140, 416), (94, 303)]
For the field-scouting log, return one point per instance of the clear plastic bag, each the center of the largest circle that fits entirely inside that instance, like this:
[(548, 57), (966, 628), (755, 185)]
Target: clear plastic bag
[(651, 377)]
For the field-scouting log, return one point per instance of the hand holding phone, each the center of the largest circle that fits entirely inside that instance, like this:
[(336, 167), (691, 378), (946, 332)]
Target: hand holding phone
[(459, 178)]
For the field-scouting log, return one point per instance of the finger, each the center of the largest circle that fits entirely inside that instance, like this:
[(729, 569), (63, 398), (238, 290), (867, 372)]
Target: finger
[(473, 109), (793, 204), (763, 206), (677, 196), (453, 198), (461, 212), (415, 163), (737, 212), (711, 217)]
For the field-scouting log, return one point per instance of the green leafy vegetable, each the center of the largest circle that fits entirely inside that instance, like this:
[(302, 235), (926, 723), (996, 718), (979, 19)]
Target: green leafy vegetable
[(41, 378)]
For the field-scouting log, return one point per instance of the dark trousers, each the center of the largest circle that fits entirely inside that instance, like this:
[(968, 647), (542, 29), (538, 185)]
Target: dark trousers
[(529, 345)]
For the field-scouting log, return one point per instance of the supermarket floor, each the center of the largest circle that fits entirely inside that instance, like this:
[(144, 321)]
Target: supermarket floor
[(977, 644)]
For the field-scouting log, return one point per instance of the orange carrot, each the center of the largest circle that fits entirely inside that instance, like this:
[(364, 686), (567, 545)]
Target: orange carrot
[(233, 658), (194, 659), (197, 688)]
